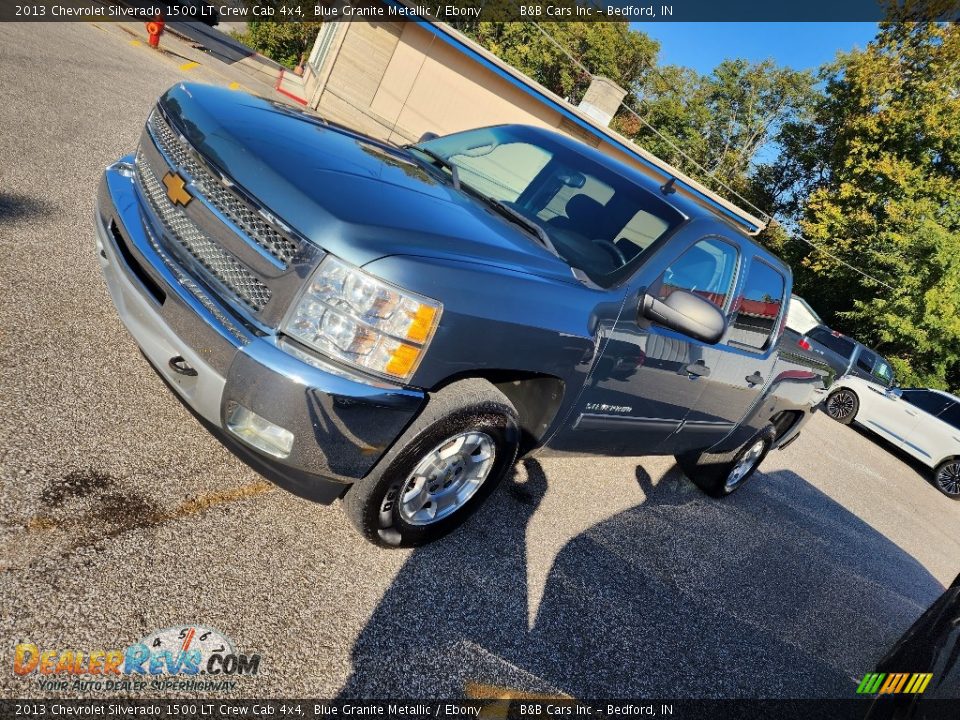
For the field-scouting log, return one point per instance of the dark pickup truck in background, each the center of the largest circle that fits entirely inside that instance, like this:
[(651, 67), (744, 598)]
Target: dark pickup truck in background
[(395, 326)]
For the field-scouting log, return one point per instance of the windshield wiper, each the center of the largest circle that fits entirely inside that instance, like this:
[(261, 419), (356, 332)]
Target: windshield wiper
[(441, 161), (517, 217), (522, 219)]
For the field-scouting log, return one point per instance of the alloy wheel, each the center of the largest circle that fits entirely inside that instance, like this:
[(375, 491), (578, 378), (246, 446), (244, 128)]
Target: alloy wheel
[(746, 463), (948, 478), (446, 478), (840, 405)]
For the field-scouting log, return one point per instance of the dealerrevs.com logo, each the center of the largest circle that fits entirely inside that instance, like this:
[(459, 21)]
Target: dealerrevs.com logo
[(169, 659)]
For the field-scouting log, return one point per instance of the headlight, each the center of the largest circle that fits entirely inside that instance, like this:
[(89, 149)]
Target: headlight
[(351, 316)]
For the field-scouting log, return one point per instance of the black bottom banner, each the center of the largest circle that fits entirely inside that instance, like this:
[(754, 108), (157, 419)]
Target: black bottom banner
[(883, 708)]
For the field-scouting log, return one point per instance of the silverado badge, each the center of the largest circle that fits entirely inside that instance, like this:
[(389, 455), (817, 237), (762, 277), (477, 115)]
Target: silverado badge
[(177, 189)]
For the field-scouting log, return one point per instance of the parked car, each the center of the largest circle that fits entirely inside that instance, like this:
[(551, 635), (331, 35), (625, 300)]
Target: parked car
[(846, 356), (801, 319), (924, 423), (393, 326)]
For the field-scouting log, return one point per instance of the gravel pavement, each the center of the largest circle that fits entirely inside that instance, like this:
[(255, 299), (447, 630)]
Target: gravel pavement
[(120, 515)]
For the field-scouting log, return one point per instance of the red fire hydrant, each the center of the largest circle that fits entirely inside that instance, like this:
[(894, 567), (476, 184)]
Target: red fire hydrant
[(154, 30)]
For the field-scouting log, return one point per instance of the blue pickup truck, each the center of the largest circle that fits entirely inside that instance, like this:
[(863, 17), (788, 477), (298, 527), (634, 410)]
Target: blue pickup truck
[(395, 326)]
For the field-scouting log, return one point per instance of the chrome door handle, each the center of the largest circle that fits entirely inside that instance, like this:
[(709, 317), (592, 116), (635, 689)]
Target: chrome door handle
[(910, 412)]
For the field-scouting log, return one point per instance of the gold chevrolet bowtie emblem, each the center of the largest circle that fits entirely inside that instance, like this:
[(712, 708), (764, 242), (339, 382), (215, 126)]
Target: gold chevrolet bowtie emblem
[(177, 189)]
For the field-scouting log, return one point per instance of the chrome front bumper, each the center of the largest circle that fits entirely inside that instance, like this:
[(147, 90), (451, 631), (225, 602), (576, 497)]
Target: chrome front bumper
[(342, 422)]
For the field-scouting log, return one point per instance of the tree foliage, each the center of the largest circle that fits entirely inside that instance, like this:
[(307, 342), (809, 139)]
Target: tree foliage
[(872, 177), (721, 120), (285, 42), (608, 49)]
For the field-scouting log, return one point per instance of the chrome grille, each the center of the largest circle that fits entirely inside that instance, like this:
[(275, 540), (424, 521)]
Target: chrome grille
[(221, 197), (219, 263), (196, 290)]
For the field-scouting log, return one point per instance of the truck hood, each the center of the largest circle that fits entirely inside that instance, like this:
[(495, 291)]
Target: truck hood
[(354, 196)]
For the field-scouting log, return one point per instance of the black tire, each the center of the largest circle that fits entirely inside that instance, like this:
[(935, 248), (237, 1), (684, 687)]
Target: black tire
[(946, 478), (713, 472), (373, 503), (842, 405)]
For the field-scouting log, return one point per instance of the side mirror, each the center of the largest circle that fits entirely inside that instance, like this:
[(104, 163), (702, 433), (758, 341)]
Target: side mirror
[(895, 392), (686, 313), (427, 136)]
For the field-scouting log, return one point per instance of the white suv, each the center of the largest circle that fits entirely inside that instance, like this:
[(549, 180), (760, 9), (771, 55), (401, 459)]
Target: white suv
[(924, 423)]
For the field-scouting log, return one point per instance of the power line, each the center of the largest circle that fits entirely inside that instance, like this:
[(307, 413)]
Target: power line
[(700, 167), (839, 260)]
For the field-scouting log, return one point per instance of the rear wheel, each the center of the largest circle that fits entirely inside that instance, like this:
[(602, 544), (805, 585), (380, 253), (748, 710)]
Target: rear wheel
[(720, 474), (441, 470), (842, 405), (947, 478)]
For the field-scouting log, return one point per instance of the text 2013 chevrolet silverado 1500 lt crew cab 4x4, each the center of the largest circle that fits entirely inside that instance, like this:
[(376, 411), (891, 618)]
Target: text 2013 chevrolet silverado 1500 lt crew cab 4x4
[(394, 326)]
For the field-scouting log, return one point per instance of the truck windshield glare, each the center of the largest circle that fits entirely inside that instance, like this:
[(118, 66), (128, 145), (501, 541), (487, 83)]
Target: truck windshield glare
[(597, 220)]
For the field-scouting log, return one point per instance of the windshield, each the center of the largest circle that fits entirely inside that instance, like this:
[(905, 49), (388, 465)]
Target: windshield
[(597, 220)]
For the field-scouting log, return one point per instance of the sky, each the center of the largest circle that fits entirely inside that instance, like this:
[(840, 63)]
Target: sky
[(801, 46)]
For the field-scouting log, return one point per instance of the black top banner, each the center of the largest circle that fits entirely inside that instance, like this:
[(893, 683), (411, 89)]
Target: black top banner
[(543, 708), (481, 10)]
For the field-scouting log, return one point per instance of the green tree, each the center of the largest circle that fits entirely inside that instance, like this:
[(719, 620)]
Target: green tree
[(608, 49), (721, 120), (286, 42), (872, 177)]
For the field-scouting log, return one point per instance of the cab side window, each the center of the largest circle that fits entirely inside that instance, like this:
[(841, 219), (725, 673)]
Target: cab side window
[(706, 269), (758, 306)]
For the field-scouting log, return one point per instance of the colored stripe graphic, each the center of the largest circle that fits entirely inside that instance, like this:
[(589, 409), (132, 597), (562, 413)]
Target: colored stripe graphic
[(870, 683), (918, 683), (894, 683)]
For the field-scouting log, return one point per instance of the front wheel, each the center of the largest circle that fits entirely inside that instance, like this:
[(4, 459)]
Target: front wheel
[(947, 478), (842, 405), (441, 470), (719, 475)]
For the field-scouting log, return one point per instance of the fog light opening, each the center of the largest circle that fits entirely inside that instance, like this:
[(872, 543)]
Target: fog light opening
[(259, 432)]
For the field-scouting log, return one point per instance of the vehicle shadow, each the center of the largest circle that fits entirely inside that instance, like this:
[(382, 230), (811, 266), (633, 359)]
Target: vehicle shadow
[(906, 458), (777, 591)]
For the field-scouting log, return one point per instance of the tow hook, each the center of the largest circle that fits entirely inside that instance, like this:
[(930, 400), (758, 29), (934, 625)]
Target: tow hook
[(181, 366)]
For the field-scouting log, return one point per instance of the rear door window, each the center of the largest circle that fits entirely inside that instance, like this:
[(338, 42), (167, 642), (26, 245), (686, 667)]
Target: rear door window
[(951, 415), (757, 308), (927, 401), (842, 346)]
